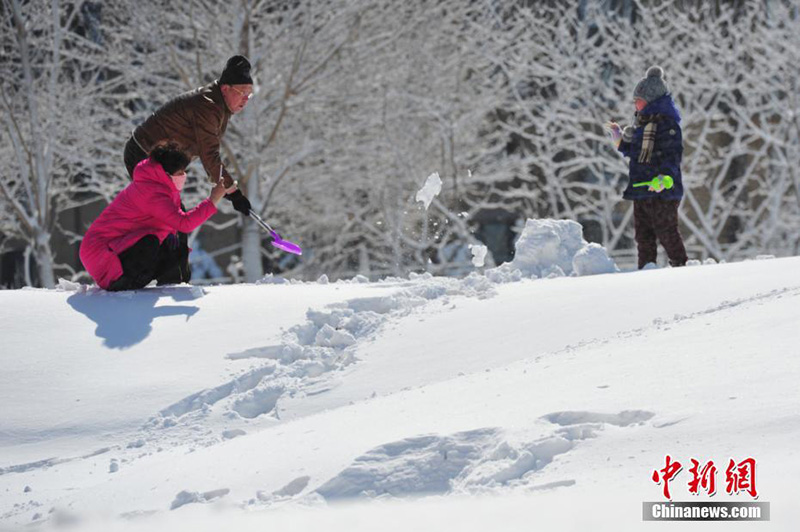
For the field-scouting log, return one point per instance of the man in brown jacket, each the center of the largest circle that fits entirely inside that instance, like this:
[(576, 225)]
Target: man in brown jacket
[(195, 122)]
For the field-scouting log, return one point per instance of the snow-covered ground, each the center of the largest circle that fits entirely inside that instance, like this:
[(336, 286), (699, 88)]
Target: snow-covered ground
[(420, 403)]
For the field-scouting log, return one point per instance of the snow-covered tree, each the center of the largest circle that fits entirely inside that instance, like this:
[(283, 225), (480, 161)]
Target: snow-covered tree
[(60, 102), (569, 68)]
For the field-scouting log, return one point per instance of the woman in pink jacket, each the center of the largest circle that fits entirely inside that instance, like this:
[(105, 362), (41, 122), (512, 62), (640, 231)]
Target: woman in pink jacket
[(134, 240)]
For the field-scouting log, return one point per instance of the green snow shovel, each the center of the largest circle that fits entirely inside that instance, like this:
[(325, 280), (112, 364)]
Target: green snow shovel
[(659, 183)]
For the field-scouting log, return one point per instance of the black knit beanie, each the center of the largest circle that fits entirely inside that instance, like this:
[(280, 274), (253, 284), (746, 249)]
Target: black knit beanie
[(237, 72)]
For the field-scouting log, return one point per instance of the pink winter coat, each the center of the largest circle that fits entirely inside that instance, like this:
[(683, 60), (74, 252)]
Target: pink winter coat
[(151, 205)]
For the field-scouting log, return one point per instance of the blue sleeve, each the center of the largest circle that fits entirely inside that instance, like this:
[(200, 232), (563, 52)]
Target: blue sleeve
[(624, 148)]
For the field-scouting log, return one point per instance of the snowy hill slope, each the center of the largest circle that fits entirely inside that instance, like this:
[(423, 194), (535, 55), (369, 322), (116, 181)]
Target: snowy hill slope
[(473, 404)]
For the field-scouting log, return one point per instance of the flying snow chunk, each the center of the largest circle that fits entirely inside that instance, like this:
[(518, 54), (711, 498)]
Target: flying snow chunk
[(433, 185), (478, 254)]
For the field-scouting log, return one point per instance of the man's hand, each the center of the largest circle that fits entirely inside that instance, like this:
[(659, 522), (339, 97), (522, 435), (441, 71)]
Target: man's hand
[(240, 202), (219, 191)]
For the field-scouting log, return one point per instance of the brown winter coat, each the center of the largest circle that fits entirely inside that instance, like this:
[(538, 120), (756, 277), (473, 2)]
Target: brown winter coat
[(195, 121)]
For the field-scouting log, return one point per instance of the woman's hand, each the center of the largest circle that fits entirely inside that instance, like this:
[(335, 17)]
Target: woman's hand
[(219, 191)]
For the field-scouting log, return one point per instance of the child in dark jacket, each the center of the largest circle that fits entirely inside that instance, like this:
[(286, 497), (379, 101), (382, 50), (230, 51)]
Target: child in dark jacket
[(655, 147)]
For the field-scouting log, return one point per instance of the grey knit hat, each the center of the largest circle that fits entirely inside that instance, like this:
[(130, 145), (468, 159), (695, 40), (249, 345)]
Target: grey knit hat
[(653, 86)]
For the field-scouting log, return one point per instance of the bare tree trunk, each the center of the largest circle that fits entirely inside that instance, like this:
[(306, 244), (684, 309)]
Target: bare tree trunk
[(251, 252), (251, 237), (27, 266), (44, 261)]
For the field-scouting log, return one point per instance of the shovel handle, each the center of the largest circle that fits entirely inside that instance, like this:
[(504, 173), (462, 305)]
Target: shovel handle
[(260, 222)]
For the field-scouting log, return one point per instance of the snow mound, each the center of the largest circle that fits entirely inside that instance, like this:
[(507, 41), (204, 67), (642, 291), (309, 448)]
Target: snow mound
[(553, 248), (593, 259), (70, 286), (292, 489), (433, 185), (471, 461), (191, 497), (708, 262), (271, 279)]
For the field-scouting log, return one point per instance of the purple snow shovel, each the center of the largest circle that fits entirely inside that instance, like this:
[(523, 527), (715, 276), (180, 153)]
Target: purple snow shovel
[(277, 241)]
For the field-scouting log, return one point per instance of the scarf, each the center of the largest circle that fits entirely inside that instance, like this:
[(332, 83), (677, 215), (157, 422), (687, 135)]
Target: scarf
[(179, 180), (650, 123)]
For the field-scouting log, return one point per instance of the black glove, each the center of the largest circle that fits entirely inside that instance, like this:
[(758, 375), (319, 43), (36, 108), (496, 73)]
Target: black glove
[(240, 203)]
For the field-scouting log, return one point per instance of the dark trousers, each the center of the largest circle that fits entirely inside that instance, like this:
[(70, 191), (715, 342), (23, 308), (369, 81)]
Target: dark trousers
[(149, 260), (656, 220), (132, 156)]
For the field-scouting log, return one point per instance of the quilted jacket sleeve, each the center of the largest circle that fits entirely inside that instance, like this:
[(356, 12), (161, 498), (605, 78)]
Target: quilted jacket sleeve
[(208, 131), (162, 206)]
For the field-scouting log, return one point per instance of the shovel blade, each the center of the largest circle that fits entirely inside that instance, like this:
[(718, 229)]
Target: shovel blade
[(285, 245)]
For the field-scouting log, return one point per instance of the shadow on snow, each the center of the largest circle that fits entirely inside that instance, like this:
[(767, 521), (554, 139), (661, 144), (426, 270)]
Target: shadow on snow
[(124, 319)]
